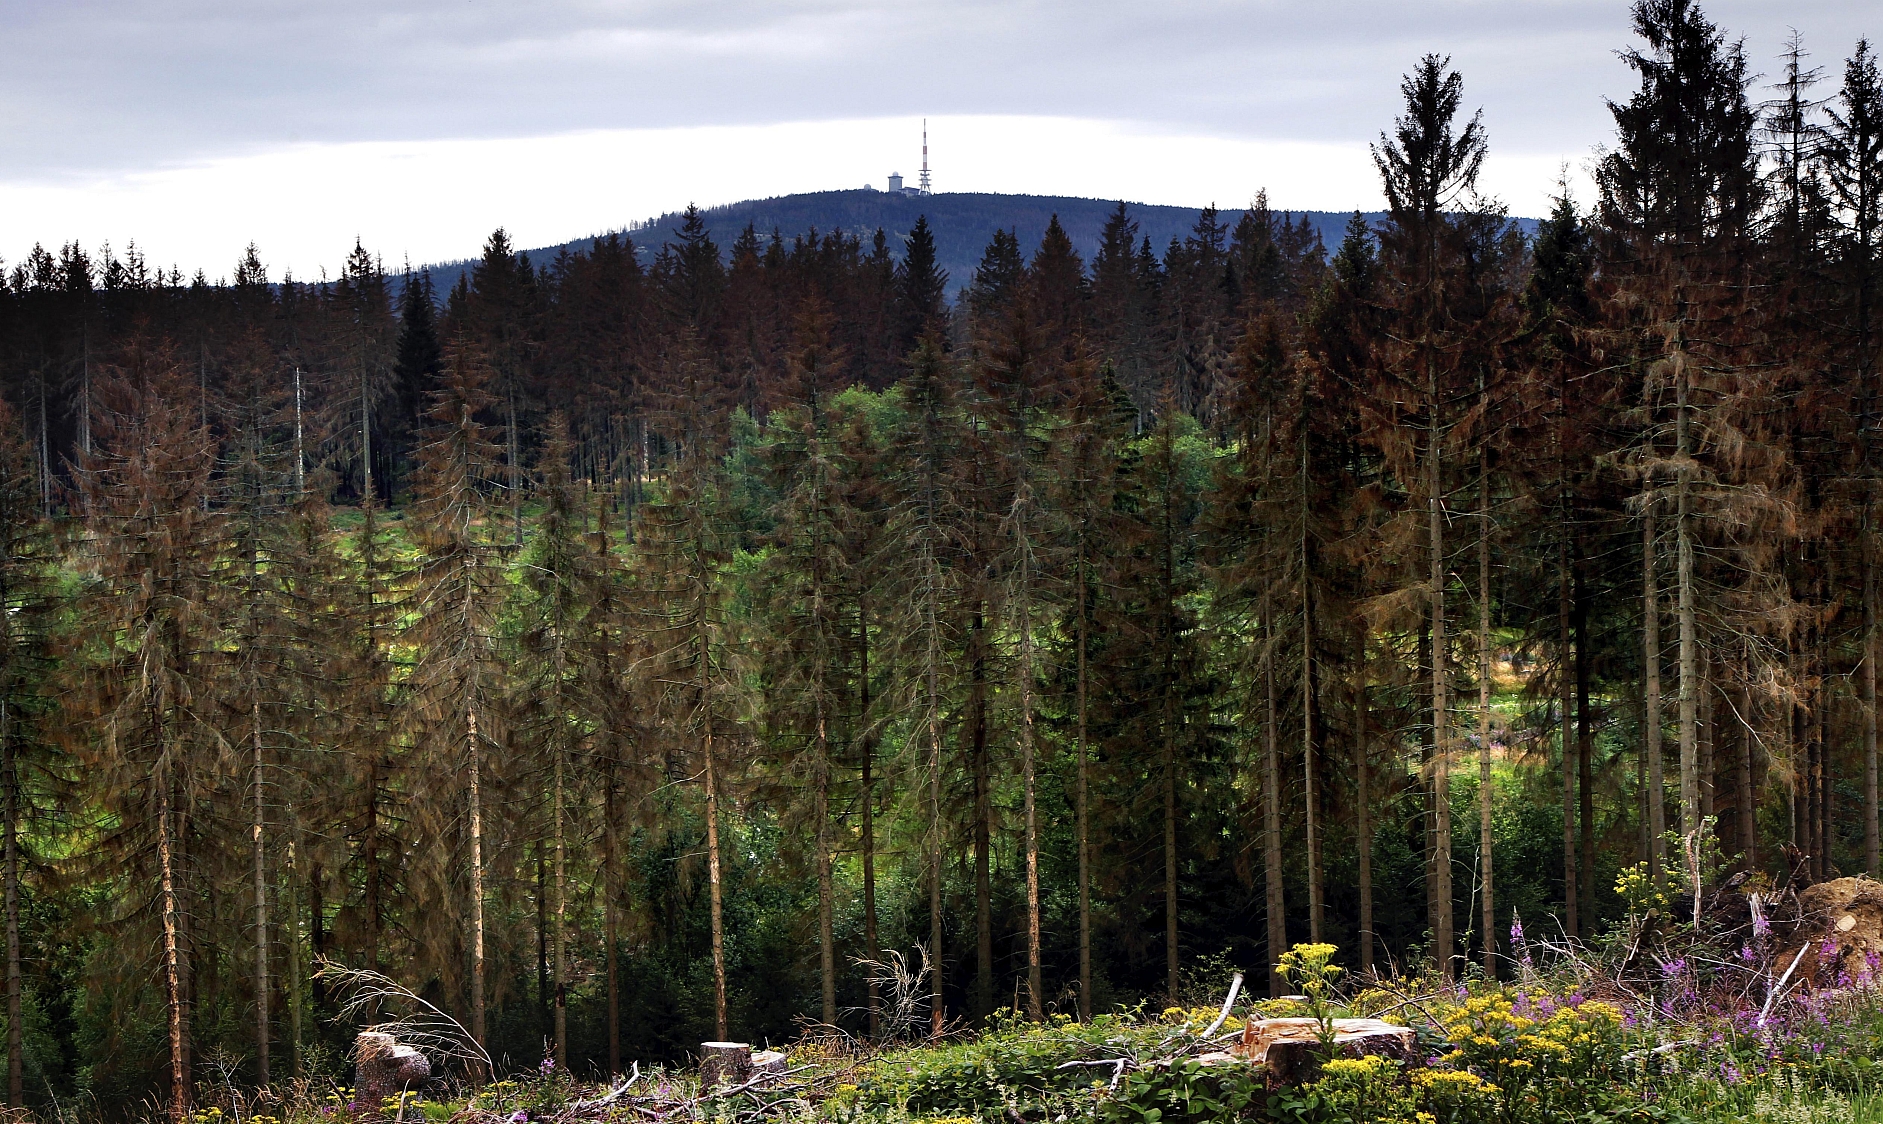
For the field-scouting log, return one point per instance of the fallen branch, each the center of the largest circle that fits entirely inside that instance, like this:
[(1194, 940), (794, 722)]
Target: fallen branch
[(1235, 985), (1773, 995)]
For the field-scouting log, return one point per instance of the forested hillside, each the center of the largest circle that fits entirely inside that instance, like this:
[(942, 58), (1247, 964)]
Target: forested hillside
[(623, 655), (962, 222)]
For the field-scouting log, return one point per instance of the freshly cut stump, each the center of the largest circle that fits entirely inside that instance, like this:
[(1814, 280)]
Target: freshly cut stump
[(725, 1063), (769, 1064), (1290, 1049), (386, 1068)]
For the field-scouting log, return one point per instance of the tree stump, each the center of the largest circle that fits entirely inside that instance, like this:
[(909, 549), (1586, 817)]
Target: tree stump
[(725, 1063), (385, 1068), (769, 1064), (1290, 1049)]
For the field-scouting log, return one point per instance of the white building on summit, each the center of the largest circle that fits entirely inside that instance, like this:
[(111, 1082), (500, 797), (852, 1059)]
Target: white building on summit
[(895, 178)]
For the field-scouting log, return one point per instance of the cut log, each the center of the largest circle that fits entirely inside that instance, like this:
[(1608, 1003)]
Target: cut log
[(385, 1068), (1290, 1049), (725, 1063)]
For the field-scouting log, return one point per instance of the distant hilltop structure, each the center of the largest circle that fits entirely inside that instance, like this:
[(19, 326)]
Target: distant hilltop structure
[(922, 188)]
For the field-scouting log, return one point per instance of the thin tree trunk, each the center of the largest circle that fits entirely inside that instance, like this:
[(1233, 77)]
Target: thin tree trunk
[(300, 454), (1441, 891), (1317, 911), (297, 960), (983, 828), (1168, 766), (1486, 870), (1585, 751), (479, 1030), (873, 996), (1363, 800), (10, 779), (172, 952), (259, 828), (1651, 698), (937, 1013), (721, 1021), (1689, 639), (366, 437), (1748, 825), (611, 921), (516, 467), (1707, 764), (1566, 704), (1820, 722), (1035, 995), (1082, 803), (826, 891), (1271, 829), (561, 966)]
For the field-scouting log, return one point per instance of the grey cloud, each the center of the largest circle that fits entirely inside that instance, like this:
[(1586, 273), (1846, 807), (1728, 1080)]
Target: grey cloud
[(129, 84)]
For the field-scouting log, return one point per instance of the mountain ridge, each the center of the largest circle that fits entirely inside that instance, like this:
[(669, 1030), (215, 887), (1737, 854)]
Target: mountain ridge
[(963, 224)]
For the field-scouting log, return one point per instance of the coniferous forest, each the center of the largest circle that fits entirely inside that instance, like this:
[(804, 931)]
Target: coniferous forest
[(633, 649)]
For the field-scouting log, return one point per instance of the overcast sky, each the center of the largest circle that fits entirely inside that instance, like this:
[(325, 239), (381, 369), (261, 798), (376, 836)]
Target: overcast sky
[(196, 126)]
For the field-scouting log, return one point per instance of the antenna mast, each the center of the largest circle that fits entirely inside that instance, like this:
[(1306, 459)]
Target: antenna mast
[(924, 180)]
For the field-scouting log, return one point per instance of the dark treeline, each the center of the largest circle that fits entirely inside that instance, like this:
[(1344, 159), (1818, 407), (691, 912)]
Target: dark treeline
[(622, 657)]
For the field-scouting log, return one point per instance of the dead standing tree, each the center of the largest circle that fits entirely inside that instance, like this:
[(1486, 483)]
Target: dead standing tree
[(456, 591)]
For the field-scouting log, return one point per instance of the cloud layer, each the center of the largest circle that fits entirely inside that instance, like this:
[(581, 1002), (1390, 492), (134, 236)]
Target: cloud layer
[(103, 100)]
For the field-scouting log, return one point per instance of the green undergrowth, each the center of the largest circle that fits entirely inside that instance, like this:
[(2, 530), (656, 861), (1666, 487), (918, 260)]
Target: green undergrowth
[(1486, 1053)]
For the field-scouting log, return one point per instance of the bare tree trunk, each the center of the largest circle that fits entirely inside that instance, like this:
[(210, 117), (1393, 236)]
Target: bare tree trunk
[(1689, 685), (937, 1014), (1082, 805), (1363, 799), (10, 779), (721, 1021), (1441, 890), (1748, 825), (1870, 833), (1169, 763), (366, 437), (1271, 828), (611, 921), (1707, 764), (1169, 770), (172, 953), (873, 949), (1651, 697), (1566, 704), (1035, 997), (1820, 720), (516, 464), (561, 903), (261, 897), (300, 453), (297, 960), (479, 1029), (1309, 796), (1486, 870), (826, 891), (983, 829), (1585, 751)]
